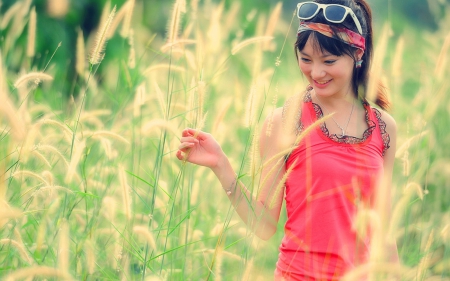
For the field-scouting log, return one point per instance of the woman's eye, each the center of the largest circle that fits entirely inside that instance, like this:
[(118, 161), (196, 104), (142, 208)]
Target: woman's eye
[(305, 60), (330, 61)]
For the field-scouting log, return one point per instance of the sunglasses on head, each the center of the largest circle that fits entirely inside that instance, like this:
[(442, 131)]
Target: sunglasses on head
[(333, 12)]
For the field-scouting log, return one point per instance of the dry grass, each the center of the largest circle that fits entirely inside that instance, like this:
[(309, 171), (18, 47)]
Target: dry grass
[(100, 43), (102, 196)]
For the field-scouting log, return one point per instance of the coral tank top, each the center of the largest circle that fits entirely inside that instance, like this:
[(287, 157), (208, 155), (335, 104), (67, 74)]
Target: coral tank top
[(331, 177)]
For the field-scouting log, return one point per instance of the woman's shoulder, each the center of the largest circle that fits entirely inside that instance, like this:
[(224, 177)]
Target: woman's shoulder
[(300, 97), (283, 123), (291, 106), (385, 120), (292, 110), (388, 130)]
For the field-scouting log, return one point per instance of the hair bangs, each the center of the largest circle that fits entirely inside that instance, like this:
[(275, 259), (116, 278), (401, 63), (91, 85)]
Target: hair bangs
[(324, 44)]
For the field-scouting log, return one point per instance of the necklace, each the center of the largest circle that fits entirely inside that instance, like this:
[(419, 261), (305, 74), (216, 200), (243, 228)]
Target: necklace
[(337, 124)]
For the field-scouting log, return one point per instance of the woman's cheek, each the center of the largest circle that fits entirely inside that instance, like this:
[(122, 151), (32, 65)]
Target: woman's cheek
[(304, 68)]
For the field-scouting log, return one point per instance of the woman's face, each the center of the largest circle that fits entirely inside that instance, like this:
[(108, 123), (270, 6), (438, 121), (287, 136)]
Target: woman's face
[(328, 74)]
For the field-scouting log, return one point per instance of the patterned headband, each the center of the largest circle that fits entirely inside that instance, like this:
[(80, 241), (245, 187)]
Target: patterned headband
[(343, 34)]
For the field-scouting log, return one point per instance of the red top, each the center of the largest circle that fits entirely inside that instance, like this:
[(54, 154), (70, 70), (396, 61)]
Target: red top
[(332, 176)]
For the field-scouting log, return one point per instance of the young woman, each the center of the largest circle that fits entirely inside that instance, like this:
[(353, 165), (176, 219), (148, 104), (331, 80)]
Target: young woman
[(336, 169)]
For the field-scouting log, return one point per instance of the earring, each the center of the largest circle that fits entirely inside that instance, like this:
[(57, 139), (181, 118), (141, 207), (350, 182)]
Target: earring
[(358, 63)]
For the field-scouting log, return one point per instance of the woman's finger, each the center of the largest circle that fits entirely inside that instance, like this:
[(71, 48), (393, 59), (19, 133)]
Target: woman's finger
[(185, 145), (188, 132), (189, 139), (180, 155)]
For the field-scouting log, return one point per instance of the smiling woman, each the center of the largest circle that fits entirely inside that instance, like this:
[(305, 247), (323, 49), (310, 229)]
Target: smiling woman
[(330, 169), (322, 69)]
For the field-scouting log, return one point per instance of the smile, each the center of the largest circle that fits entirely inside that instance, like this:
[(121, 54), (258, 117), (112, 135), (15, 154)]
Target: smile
[(322, 82)]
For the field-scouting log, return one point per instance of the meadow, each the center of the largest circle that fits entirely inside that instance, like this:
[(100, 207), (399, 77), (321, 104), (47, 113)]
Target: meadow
[(90, 188)]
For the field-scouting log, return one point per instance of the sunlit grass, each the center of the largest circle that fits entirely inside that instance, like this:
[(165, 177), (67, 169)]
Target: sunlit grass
[(91, 188)]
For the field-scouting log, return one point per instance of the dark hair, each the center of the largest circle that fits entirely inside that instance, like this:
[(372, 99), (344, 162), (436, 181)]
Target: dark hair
[(338, 48)]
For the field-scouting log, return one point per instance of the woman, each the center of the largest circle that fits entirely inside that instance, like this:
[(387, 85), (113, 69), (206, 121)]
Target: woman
[(335, 170)]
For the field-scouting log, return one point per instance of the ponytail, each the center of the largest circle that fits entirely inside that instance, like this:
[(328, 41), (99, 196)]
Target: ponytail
[(382, 98), (363, 72)]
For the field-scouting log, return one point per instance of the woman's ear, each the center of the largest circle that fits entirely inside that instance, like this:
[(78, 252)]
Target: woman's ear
[(359, 54)]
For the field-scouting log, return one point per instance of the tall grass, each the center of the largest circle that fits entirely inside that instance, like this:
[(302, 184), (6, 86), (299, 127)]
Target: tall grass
[(90, 189)]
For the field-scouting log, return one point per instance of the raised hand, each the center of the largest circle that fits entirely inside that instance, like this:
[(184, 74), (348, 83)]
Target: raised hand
[(199, 148)]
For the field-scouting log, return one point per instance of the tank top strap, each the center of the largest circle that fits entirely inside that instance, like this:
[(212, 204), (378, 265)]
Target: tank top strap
[(380, 130)]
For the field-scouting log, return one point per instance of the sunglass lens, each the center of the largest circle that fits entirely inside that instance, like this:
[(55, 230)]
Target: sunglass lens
[(307, 10), (334, 13)]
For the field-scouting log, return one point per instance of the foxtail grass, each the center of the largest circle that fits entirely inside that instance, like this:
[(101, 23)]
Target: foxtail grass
[(81, 56), (201, 92), (423, 265), (158, 123), (8, 213), (89, 249), (398, 59), (278, 191), (74, 161), (97, 53), (20, 248), (377, 65), (218, 122), (127, 204), (270, 122), (254, 155), (361, 272), (126, 25), (407, 144), (179, 212), (248, 42), (443, 58), (63, 247), (108, 134), (9, 14), (163, 66), (251, 106), (132, 55), (33, 77), (56, 151), (272, 23), (31, 33), (58, 8), (146, 235), (173, 27), (38, 271), (38, 155), (215, 30), (30, 174)]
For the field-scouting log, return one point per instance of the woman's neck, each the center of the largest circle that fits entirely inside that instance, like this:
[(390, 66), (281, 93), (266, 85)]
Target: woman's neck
[(335, 103)]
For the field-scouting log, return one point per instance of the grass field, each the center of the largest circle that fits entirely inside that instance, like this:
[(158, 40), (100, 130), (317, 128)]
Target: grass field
[(90, 187)]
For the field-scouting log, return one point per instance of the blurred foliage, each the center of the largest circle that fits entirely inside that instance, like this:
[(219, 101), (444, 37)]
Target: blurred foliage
[(54, 28), (85, 14), (188, 212)]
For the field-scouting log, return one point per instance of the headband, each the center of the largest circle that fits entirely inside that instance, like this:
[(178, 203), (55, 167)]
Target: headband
[(343, 34)]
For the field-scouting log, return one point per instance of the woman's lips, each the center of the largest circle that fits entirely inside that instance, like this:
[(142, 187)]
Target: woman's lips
[(322, 84)]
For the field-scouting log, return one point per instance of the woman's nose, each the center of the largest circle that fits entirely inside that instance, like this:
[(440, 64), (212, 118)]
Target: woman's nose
[(317, 72)]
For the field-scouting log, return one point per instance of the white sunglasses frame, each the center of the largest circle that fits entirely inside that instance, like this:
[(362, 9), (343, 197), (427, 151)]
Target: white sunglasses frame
[(322, 7)]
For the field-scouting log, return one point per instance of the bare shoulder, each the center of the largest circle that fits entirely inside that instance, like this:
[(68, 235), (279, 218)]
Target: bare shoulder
[(279, 129), (272, 131), (391, 125), (391, 130)]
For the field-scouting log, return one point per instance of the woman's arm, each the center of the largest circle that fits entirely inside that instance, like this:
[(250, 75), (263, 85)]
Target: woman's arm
[(260, 214)]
